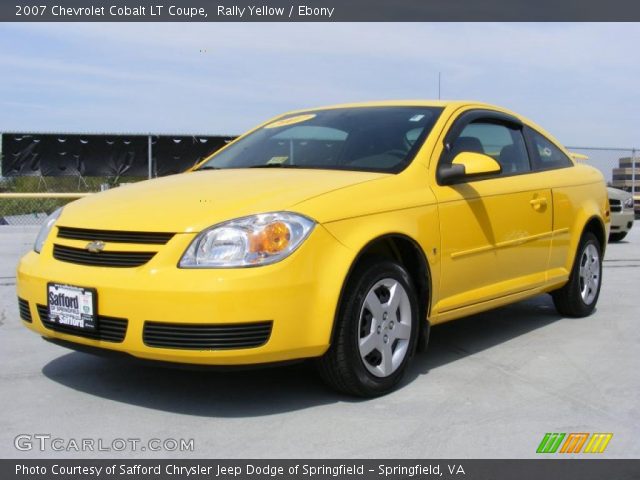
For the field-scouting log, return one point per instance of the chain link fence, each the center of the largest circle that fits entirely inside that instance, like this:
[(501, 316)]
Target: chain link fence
[(28, 200)]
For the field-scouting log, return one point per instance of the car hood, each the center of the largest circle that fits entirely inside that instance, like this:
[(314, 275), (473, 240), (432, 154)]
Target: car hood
[(190, 202), (618, 194)]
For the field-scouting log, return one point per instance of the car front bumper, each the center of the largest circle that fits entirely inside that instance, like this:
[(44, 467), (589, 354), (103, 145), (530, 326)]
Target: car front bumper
[(298, 296), (622, 221)]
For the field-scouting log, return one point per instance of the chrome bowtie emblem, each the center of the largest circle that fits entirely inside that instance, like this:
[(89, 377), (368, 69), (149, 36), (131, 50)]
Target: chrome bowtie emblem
[(95, 247)]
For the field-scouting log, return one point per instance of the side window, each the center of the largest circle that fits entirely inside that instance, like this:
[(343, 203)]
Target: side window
[(504, 143), (547, 155)]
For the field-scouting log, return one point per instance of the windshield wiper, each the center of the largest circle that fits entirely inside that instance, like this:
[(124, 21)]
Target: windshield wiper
[(275, 165), (209, 167)]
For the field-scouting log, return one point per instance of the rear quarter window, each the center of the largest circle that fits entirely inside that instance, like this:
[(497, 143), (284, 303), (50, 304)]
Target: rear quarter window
[(546, 155)]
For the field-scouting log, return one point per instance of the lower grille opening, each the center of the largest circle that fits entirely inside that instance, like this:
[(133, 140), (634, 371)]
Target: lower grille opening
[(110, 329), (23, 307), (191, 336)]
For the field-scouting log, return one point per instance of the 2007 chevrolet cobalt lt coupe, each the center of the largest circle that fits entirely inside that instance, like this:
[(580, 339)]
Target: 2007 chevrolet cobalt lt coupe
[(340, 234)]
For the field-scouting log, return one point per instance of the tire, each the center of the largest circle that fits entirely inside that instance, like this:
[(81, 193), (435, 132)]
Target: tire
[(378, 317), (617, 237), (578, 298)]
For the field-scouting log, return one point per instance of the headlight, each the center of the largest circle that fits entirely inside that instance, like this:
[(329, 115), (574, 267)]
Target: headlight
[(45, 229), (247, 242), (628, 203)]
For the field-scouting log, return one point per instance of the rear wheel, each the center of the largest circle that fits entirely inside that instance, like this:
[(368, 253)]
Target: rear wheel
[(579, 296), (616, 237), (376, 331)]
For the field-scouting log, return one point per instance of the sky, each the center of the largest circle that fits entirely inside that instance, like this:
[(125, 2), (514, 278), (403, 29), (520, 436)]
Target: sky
[(579, 81)]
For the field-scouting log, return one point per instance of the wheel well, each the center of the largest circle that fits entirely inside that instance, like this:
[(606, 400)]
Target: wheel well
[(407, 253), (595, 226)]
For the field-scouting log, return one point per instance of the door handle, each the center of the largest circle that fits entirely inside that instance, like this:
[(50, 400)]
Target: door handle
[(538, 203)]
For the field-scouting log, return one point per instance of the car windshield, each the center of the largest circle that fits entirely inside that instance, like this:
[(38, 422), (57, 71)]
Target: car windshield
[(381, 139)]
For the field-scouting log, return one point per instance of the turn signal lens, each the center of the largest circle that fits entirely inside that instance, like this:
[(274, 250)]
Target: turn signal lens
[(273, 238)]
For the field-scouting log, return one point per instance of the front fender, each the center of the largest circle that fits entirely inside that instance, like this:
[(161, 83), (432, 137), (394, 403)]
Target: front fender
[(419, 224)]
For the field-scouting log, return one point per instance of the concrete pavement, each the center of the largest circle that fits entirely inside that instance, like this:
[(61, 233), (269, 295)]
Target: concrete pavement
[(490, 386)]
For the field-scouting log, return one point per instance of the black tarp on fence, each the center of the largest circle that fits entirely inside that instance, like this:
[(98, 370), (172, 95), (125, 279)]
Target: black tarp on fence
[(54, 155), (177, 153)]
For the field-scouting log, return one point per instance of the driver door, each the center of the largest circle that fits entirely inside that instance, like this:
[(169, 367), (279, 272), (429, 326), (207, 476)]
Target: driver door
[(495, 230)]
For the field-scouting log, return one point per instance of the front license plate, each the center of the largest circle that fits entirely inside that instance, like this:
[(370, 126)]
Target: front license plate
[(72, 306)]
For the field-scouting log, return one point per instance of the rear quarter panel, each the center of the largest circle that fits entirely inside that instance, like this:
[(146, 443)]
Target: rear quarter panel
[(579, 194)]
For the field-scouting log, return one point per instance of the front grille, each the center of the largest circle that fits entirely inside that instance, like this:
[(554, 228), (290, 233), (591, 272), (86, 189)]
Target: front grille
[(616, 205), (110, 329), (207, 336), (101, 259), (149, 238), (23, 307)]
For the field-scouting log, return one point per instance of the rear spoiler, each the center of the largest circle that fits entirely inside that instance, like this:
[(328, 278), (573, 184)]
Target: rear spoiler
[(579, 157)]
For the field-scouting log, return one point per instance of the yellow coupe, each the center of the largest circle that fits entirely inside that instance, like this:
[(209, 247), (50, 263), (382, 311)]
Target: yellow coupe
[(340, 234)]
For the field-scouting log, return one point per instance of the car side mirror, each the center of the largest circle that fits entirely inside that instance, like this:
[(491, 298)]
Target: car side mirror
[(467, 166)]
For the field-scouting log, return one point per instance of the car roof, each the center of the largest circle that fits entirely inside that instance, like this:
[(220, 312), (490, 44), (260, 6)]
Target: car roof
[(450, 105), (399, 103)]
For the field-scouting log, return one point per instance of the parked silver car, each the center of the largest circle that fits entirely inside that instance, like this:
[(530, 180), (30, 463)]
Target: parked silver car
[(622, 214)]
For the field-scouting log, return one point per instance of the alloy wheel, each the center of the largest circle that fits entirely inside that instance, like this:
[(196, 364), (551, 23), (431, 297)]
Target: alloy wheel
[(384, 327), (589, 273)]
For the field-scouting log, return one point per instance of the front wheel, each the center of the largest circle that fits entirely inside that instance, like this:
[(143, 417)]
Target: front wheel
[(579, 296), (376, 330)]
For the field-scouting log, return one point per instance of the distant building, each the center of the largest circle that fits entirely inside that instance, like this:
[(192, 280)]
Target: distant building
[(623, 178), (623, 175)]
